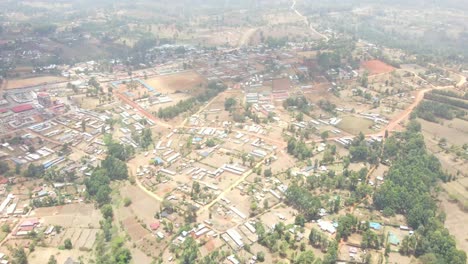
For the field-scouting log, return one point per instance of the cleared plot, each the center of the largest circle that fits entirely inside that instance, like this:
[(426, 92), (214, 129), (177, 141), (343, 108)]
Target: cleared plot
[(376, 67), (456, 221), (184, 82), (354, 125), (71, 215), (143, 205), (91, 238), (134, 229), (454, 131), (41, 255), (17, 83), (81, 241)]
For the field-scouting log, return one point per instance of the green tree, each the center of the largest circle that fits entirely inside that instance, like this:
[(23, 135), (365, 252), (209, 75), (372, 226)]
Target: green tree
[(229, 104), (52, 260), (67, 244), (19, 256)]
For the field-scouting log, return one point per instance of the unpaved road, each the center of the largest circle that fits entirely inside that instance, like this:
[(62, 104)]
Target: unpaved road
[(306, 20)]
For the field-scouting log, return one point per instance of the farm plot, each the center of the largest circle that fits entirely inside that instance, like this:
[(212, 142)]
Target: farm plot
[(71, 215)]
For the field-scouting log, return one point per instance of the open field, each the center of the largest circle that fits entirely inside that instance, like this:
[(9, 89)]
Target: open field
[(354, 125), (41, 255), (81, 238), (187, 82), (376, 67), (456, 221), (71, 215), (17, 83), (454, 131)]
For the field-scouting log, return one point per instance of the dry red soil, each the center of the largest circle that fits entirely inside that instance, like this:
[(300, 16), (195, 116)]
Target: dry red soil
[(376, 67)]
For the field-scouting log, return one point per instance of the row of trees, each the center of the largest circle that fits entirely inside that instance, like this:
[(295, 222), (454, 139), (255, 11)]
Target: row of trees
[(431, 110), (170, 112), (446, 100)]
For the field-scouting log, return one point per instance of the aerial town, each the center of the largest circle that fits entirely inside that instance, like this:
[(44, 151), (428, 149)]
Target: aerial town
[(285, 142)]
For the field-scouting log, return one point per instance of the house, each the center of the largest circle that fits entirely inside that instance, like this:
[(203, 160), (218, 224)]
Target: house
[(375, 226), (70, 261), (154, 226)]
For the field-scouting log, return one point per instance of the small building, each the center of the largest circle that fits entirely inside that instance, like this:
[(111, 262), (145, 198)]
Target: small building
[(154, 226), (44, 99)]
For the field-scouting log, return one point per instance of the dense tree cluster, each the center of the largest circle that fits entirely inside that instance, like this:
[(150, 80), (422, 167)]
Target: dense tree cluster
[(299, 103), (327, 106), (229, 104), (113, 167), (361, 150), (303, 201), (299, 149), (431, 110), (446, 100), (145, 139), (407, 190)]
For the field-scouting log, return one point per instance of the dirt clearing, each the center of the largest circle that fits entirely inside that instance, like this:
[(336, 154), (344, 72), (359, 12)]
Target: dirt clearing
[(18, 83), (376, 67), (184, 82)]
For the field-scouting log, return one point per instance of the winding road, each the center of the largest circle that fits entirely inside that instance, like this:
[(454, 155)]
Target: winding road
[(306, 20)]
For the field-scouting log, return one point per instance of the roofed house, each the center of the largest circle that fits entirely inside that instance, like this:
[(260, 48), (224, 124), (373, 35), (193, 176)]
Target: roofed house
[(154, 226), (71, 261), (22, 108)]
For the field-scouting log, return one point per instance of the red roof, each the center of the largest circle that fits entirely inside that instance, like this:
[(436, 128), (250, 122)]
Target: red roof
[(3, 180), (30, 222), (155, 225), (4, 110), (26, 228), (22, 108)]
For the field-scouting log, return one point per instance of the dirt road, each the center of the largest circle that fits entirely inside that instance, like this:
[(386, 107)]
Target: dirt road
[(306, 20), (245, 38), (142, 111), (232, 186)]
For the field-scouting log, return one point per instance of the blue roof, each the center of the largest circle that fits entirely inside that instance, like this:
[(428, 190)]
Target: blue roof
[(393, 239), (158, 160), (375, 225)]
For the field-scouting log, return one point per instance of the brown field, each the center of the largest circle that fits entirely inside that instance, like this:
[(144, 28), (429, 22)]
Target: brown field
[(376, 67), (454, 131), (81, 238), (143, 206), (184, 82), (18, 83), (456, 221), (354, 125), (71, 215), (41, 255)]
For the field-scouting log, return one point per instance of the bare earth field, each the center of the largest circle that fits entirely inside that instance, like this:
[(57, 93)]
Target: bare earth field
[(376, 67), (454, 131), (456, 221), (71, 215), (185, 82), (41, 255), (17, 83)]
